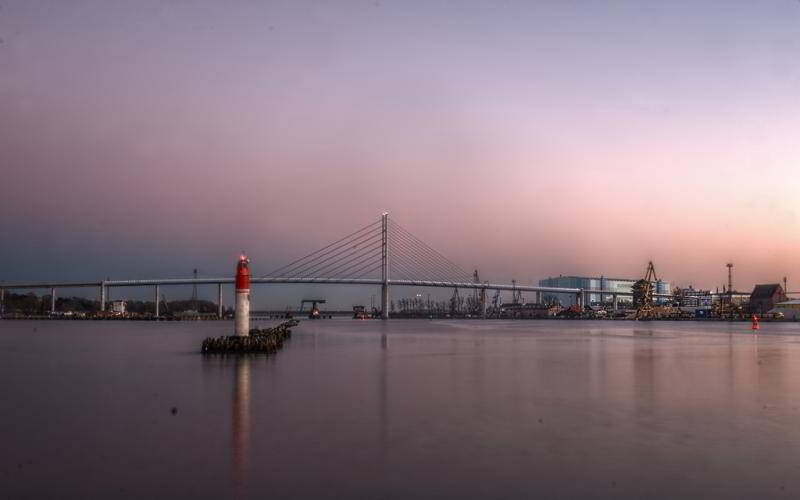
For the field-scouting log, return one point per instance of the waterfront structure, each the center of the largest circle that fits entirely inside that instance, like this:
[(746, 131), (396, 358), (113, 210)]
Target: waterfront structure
[(789, 308), (528, 311), (591, 286), (764, 297), (689, 297), (243, 297), (118, 306)]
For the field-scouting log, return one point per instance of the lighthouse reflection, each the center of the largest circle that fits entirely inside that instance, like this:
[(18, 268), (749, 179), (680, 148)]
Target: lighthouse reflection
[(241, 424)]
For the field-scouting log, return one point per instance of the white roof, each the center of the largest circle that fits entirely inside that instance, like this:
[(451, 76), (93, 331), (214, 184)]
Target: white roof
[(788, 302)]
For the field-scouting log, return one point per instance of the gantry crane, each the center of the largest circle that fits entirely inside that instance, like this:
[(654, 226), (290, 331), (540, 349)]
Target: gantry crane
[(314, 312)]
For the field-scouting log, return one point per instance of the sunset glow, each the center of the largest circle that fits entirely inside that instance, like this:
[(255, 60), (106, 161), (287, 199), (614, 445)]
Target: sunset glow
[(524, 140)]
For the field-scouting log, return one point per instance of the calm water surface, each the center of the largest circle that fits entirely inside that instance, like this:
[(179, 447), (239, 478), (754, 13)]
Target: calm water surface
[(402, 409)]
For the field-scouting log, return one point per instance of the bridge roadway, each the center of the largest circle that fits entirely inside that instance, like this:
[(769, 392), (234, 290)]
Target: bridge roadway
[(157, 283)]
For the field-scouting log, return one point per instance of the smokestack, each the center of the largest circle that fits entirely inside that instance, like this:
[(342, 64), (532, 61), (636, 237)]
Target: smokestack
[(243, 297)]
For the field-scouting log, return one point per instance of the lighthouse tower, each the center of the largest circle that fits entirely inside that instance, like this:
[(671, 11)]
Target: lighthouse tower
[(243, 297)]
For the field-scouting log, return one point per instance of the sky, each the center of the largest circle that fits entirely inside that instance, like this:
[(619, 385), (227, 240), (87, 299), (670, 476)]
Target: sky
[(523, 139)]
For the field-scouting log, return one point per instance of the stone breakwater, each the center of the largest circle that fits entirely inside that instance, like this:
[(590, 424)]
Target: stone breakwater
[(266, 340)]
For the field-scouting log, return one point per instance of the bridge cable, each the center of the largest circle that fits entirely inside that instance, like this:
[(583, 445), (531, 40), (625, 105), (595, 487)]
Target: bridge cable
[(427, 271), (434, 260), (405, 272), (351, 246), (282, 268), (414, 252), (414, 259), (370, 255), (437, 256), (408, 264), (363, 266), (333, 252), (320, 268), (380, 264)]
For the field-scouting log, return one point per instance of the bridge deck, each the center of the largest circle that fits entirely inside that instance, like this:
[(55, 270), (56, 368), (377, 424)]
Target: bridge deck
[(329, 281)]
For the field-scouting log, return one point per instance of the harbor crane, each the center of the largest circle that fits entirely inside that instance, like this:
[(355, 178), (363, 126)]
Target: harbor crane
[(643, 294), (455, 302)]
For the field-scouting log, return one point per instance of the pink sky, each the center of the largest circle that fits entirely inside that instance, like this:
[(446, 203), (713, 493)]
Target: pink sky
[(523, 140)]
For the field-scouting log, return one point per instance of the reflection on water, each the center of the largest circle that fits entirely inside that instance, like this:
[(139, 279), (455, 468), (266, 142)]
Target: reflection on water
[(383, 392), (402, 409), (241, 423), (644, 378)]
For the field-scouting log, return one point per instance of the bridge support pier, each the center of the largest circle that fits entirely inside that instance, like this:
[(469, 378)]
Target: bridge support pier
[(219, 300), (158, 298), (616, 302), (52, 300), (2, 300), (385, 301), (102, 296)]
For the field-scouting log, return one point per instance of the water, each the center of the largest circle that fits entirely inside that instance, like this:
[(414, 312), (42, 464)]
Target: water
[(401, 409)]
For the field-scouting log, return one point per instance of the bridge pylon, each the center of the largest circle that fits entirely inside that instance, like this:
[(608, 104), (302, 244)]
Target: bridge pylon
[(385, 265)]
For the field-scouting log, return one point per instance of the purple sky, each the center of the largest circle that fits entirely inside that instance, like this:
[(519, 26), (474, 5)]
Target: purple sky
[(527, 139)]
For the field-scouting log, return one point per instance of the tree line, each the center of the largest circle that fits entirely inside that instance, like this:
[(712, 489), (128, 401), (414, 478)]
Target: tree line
[(30, 303)]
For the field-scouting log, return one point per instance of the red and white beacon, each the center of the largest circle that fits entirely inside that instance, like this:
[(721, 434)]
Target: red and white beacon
[(243, 297)]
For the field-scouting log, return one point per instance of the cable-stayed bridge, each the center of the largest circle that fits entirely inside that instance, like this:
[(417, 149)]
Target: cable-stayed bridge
[(382, 253)]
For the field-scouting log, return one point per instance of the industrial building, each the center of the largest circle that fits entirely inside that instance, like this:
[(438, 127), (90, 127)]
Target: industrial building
[(790, 309), (690, 297), (609, 286), (764, 297)]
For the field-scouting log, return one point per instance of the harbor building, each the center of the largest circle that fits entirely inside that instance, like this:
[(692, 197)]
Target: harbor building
[(764, 297), (119, 306), (609, 286), (789, 308), (690, 297)]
